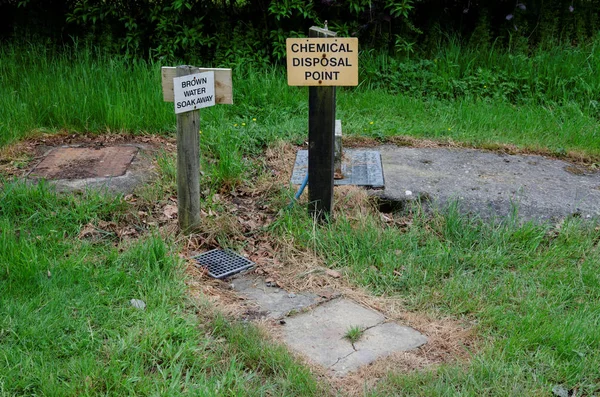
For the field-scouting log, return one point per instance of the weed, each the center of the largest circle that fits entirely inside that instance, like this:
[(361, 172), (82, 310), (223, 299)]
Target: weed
[(353, 334)]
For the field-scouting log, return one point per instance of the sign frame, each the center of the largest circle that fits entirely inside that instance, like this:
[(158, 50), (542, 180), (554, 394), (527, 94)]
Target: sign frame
[(322, 62)]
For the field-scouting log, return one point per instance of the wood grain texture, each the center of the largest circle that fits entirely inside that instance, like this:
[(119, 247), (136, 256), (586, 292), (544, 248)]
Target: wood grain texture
[(223, 83), (321, 137), (188, 164)]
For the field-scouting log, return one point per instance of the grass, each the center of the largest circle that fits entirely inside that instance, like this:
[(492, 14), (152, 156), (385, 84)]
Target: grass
[(81, 89), (353, 334), (531, 292), (67, 327), (560, 74)]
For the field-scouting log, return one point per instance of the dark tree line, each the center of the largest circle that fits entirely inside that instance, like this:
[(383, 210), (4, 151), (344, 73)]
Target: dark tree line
[(225, 29)]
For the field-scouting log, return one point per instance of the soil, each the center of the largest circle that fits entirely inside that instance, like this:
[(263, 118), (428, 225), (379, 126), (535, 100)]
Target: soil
[(586, 161)]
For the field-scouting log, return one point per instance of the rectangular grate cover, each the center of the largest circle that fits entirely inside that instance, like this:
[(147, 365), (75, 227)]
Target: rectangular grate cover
[(360, 167), (222, 263)]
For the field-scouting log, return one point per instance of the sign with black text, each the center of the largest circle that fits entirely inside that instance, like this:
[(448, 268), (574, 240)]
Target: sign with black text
[(322, 61), (194, 91)]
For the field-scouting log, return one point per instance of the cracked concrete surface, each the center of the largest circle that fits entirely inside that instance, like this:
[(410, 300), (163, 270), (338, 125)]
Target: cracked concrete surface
[(271, 301), (319, 334), (491, 184)]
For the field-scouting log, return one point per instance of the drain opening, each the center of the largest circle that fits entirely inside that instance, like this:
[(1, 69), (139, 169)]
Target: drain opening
[(223, 263), (388, 206)]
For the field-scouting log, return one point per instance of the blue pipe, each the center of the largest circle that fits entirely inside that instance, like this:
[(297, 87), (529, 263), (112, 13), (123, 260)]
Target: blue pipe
[(304, 183), (299, 192)]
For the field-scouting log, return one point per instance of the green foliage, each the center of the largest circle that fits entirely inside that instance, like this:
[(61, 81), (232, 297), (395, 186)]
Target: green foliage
[(226, 31), (162, 29), (196, 30), (529, 292), (488, 73), (353, 334)]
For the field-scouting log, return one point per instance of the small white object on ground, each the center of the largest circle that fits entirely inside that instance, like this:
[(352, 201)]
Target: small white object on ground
[(138, 304)]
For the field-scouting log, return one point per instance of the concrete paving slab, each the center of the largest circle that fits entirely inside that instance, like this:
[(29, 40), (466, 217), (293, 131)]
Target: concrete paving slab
[(319, 335), (118, 169), (379, 341), (271, 301), (491, 184)]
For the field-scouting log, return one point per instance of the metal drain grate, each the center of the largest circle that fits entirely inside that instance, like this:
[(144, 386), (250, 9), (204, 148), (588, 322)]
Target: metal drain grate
[(222, 263)]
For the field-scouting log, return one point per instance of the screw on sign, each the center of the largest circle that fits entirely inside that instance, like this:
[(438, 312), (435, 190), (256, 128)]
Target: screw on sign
[(322, 61)]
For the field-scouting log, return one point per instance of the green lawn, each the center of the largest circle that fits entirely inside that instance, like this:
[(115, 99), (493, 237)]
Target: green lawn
[(81, 90), (67, 327), (531, 292)]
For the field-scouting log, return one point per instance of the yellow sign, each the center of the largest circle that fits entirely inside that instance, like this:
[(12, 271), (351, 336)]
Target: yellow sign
[(322, 61)]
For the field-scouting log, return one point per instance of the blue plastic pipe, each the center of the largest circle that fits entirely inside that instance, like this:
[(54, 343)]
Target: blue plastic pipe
[(299, 192)]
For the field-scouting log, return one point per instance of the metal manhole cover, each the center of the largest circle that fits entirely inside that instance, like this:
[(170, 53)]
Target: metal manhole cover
[(222, 263), (83, 163)]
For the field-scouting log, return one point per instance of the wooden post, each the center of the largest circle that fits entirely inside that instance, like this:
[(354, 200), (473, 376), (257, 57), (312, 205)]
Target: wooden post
[(321, 130), (188, 164)]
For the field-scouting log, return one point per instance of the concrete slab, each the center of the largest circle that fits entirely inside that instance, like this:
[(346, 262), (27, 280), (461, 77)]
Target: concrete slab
[(319, 335), (490, 183), (85, 162), (119, 168), (271, 301), (379, 341)]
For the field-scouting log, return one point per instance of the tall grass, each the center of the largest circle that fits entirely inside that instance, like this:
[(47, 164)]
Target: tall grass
[(561, 74), (546, 100), (78, 89)]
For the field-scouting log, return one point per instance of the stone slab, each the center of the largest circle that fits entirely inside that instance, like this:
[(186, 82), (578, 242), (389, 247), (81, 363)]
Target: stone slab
[(491, 184), (319, 335), (360, 167), (380, 341), (271, 301), (85, 162), (118, 169)]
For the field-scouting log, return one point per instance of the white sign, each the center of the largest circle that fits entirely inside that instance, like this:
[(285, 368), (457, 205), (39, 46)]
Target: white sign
[(194, 91)]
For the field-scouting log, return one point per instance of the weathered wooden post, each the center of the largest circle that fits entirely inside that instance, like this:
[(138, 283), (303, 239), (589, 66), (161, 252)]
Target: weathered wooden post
[(322, 61), (321, 130), (192, 88), (188, 164)]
